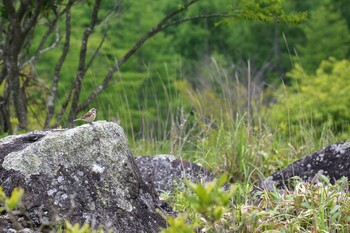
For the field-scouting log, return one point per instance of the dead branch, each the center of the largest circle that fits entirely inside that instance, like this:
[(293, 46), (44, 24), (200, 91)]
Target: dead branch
[(153, 31), (53, 91), (76, 88)]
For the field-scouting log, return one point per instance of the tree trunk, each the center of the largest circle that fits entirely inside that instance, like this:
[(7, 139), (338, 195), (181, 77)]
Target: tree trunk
[(17, 95), (11, 62), (5, 123), (22, 18)]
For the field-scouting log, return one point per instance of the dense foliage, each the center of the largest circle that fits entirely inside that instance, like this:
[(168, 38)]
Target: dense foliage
[(244, 95), (187, 60), (320, 207), (155, 76), (317, 99)]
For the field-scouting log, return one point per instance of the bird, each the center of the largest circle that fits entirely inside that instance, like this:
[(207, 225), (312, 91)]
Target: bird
[(89, 116)]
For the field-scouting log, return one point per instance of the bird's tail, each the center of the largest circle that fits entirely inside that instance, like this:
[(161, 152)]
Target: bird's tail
[(77, 120)]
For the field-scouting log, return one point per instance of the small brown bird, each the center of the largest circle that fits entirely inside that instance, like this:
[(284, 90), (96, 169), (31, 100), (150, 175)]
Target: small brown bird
[(89, 116)]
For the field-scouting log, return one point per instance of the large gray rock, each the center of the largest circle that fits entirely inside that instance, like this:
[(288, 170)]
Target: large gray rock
[(166, 172), (332, 161), (84, 174)]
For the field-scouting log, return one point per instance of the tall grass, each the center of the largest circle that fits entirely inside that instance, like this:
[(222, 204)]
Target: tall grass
[(229, 130), (227, 127)]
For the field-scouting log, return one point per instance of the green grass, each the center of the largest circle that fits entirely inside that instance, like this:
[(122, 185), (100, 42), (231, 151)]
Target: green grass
[(223, 135), (321, 207), (226, 127), (228, 132)]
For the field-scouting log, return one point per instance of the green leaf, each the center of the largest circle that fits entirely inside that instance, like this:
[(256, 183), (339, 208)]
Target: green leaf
[(335, 216), (2, 194), (306, 205), (16, 195), (218, 212), (202, 194), (335, 209), (223, 179)]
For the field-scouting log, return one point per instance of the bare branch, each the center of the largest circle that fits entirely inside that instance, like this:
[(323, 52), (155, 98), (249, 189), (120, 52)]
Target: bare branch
[(76, 86), (198, 17), (92, 59), (3, 69), (137, 45), (11, 11), (30, 24), (82, 58), (23, 9), (53, 91), (42, 50)]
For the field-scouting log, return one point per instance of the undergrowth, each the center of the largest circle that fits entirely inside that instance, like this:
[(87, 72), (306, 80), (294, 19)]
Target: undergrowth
[(317, 207), (226, 134), (228, 130)]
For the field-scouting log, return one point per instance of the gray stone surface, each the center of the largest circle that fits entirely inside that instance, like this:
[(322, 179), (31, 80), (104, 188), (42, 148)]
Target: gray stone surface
[(84, 174), (332, 161), (166, 172)]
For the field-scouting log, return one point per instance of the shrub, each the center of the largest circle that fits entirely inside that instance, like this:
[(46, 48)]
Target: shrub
[(318, 100)]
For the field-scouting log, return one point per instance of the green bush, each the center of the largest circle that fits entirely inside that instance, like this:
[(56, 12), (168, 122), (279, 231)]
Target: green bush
[(317, 207), (208, 207), (316, 100)]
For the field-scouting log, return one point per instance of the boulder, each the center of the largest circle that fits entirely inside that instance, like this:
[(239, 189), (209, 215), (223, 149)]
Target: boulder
[(332, 161), (84, 174), (166, 172)]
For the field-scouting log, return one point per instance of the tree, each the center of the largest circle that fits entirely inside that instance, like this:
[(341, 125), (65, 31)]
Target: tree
[(20, 19), (17, 23), (327, 35)]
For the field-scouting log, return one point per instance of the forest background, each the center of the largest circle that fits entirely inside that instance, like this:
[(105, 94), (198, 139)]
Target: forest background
[(244, 95)]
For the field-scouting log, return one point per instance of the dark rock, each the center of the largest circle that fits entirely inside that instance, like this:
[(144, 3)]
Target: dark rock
[(164, 172), (85, 174), (332, 161)]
